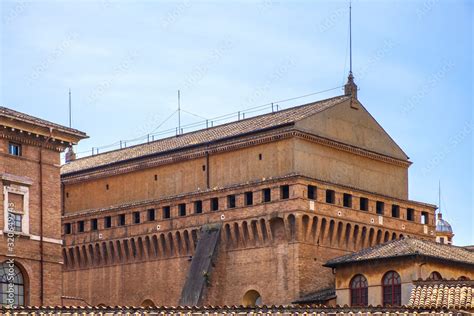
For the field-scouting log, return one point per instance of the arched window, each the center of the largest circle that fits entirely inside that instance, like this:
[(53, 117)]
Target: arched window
[(392, 289), (12, 290), (359, 291), (252, 298), (435, 276), (463, 278)]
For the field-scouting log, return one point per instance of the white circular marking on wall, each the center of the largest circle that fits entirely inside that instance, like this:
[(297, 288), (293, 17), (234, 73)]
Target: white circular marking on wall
[(339, 213), (222, 217), (372, 220), (403, 226), (100, 236), (158, 227)]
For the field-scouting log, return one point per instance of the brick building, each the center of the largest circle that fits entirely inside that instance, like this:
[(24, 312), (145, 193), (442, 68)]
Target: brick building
[(30, 223), (242, 213)]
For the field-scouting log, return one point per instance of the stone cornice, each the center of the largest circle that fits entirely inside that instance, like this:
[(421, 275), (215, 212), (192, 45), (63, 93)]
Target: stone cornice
[(225, 146), (32, 139)]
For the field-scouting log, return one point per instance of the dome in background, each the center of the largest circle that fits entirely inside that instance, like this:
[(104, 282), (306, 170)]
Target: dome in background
[(443, 226)]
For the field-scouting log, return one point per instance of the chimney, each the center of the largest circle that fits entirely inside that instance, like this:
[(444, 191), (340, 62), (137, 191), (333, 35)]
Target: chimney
[(350, 88)]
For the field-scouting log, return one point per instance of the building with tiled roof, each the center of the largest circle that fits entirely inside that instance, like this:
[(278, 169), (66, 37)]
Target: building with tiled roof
[(445, 294), (392, 274), (242, 213), (30, 222)]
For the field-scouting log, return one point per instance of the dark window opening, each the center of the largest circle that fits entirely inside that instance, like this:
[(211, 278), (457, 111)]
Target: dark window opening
[(198, 207), (14, 149), (67, 194), (359, 291), (395, 210), (284, 192), (231, 201), (259, 156), (166, 212), (94, 224), (182, 209), (214, 204), (67, 228), (248, 198), (410, 214), (107, 222), (136, 217), (392, 291), (203, 167), (121, 219), (106, 186), (151, 215), (424, 218), (364, 204), (347, 200), (330, 196), (380, 206), (156, 177), (80, 226), (267, 195), (312, 192)]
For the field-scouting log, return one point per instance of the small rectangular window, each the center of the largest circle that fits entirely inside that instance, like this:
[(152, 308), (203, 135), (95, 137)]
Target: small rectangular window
[(330, 196), (231, 201), (166, 212), (364, 204), (107, 222), (94, 224), (67, 228), (198, 207), (248, 198), (410, 214), (14, 149), (182, 209), (395, 210), (266, 195), (121, 220), (214, 204), (284, 192), (347, 200), (312, 192), (136, 217), (80, 226), (151, 214), (380, 207), (424, 218)]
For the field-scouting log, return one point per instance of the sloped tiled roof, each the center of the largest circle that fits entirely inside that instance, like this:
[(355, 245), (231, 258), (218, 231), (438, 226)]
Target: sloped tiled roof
[(407, 247), (441, 295), (319, 297), (12, 114), (250, 125)]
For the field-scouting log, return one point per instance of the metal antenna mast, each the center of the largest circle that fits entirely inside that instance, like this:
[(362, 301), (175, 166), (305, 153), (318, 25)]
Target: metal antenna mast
[(350, 37), (70, 109), (179, 112)]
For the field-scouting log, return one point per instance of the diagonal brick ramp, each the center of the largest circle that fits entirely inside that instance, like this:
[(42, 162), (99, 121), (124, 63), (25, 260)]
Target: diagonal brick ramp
[(200, 270)]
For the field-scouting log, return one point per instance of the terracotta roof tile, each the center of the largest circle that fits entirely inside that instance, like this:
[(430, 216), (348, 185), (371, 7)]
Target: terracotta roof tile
[(254, 124), (407, 247), (443, 295)]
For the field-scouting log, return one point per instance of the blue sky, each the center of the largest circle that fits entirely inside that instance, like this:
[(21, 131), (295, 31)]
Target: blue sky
[(125, 61)]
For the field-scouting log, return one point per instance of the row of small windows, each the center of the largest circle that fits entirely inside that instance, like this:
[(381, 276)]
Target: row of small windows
[(347, 201), (182, 210)]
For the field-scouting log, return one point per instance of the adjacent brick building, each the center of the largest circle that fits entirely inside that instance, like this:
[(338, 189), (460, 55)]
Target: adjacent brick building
[(30, 221), (256, 206)]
